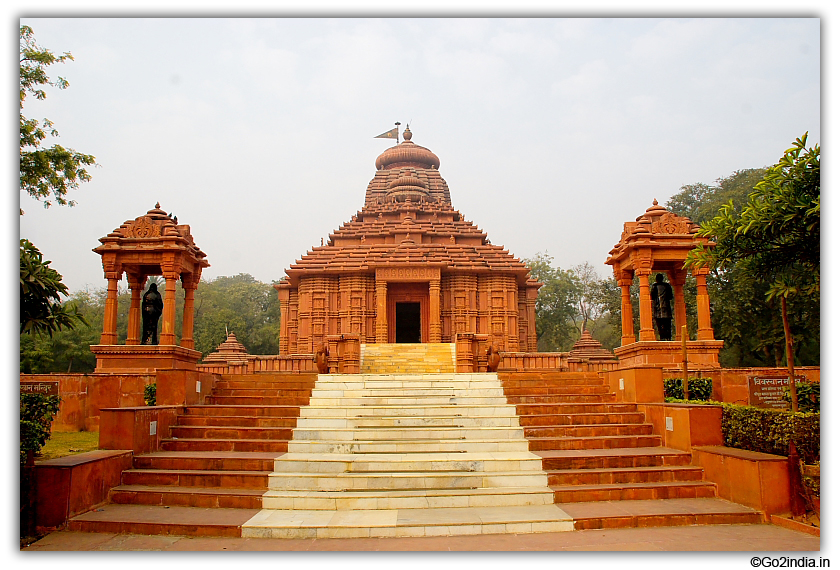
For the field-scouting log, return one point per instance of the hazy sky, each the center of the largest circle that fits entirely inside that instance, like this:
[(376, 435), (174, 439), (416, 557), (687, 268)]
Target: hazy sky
[(551, 133)]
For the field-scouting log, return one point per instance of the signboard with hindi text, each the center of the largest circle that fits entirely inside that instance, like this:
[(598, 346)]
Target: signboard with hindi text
[(45, 388), (767, 391)]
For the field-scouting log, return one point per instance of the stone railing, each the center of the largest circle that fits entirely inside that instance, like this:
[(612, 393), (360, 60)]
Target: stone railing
[(532, 361), (345, 353), (274, 363)]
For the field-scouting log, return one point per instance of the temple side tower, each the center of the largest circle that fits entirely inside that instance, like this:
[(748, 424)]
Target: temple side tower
[(407, 268)]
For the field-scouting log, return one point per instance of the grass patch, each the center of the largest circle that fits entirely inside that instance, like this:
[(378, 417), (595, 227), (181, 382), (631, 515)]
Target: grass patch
[(61, 444)]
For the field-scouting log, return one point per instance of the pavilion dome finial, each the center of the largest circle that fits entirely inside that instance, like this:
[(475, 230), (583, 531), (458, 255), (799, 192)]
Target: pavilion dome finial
[(407, 154)]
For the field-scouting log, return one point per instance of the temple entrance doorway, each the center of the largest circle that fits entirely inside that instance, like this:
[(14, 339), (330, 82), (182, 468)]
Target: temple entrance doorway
[(407, 322), (408, 312)]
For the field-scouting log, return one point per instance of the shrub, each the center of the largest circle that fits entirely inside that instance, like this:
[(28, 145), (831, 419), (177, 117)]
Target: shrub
[(770, 431), (36, 415), (150, 394), (698, 388), (808, 396)]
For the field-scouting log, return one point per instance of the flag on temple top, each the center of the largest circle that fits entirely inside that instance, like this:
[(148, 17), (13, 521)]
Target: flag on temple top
[(392, 134)]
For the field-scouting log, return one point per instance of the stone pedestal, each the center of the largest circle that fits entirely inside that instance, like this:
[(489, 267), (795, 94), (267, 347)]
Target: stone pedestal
[(143, 358), (701, 353)]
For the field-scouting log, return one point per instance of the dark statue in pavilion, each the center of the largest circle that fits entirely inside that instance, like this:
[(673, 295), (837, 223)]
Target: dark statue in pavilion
[(152, 310), (661, 296)]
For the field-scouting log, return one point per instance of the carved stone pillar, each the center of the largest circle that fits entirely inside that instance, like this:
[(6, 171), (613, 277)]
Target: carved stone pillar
[(645, 309), (135, 318), (381, 311), (628, 336), (190, 284), (678, 282), (704, 315), (283, 297), (109, 328), (167, 335), (434, 310), (531, 294)]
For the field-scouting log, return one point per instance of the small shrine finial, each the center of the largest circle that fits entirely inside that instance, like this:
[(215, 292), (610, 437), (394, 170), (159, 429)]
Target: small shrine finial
[(157, 205), (655, 203), (406, 134)]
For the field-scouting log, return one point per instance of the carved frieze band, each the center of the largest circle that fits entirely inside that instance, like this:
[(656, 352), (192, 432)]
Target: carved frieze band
[(407, 273), (671, 224), (142, 227)]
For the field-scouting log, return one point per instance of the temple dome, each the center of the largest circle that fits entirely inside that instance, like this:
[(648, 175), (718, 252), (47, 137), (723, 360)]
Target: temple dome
[(408, 187), (407, 154)]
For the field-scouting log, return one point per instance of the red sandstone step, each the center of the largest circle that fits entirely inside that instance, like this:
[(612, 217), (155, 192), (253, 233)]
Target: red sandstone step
[(262, 392), (591, 430), (576, 408), (549, 390), (260, 384), (612, 458), (654, 513), (602, 442), (272, 376), (225, 445), (547, 376), (621, 475), (543, 382), (292, 400), (208, 497), (218, 410), (561, 398), (237, 421), (634, 491), (197, 478), (159, 520), (207, 460), (581, 419), (222, 432)]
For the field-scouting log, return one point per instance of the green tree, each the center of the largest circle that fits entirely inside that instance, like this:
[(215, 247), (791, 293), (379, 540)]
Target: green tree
[(742, 315), (41, 310), (586, 289), (46, 173), (556, 308), (776, 235), (238, 304)]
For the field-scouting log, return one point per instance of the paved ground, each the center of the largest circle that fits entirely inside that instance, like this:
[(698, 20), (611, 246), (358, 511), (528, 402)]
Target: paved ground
[(733, 538)]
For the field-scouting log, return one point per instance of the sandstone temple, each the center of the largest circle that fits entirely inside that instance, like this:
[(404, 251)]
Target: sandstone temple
[(407, 268), (407, 397)]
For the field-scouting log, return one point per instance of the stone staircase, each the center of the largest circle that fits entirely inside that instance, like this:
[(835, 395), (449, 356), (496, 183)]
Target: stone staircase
[(434, 358), (596, 450), (416, 450), (407, 448), (219, 455)]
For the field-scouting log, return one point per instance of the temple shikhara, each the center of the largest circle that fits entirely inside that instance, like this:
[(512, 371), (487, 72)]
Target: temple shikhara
[(407, 268)]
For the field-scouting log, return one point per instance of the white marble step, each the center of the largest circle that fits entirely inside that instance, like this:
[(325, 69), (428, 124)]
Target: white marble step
[(413, 392), (406, 522), (399, 433), (414, 446), (407, 499), (412, 480), (396, 400), (409, 421), (407, 462), (312, 411)]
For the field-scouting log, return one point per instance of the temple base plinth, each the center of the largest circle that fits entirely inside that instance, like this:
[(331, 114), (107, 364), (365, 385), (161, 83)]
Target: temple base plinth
[(143, 358), (701, 353)]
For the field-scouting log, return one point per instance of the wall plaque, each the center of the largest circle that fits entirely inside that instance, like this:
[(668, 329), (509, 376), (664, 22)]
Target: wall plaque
[(45, 388), (767, 391)]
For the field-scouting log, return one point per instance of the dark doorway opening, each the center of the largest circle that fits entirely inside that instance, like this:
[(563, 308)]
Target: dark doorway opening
[(407, 322)]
